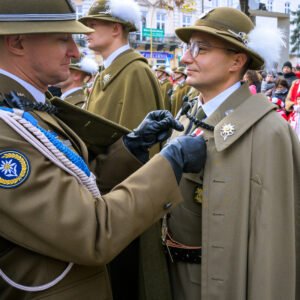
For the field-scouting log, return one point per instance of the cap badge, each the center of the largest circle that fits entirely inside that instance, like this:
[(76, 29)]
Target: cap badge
[(242, 36), (227, 130)]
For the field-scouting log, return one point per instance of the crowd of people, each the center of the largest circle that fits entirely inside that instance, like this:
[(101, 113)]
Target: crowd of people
[(180, 184)]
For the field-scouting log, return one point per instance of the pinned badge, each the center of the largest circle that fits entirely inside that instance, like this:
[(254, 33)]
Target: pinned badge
[(14, 168), (106, 78), (227, 130)]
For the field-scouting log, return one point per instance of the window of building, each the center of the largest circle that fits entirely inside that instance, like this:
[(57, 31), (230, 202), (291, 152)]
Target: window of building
[(270, 5), (186, 20), (160, 20), (143, 24), (287, 7), (230, 3)]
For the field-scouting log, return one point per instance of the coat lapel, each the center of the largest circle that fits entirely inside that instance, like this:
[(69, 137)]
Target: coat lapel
[(236, 115)]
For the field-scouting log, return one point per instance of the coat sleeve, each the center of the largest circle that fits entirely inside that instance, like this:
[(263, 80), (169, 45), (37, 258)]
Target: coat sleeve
[(52, 214), (273, 252)]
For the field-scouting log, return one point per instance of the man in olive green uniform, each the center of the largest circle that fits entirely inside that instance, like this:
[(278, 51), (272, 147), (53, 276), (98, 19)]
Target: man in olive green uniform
[(180, 89), (237, 230), (74, 88), (57, 232), (126, 90), (163, 75)]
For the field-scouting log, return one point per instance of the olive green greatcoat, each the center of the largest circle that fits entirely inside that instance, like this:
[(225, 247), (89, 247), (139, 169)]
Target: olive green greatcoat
[(77, 98), (180, 90), (248, 222), (166, 86), (50, 219), (126, 91)]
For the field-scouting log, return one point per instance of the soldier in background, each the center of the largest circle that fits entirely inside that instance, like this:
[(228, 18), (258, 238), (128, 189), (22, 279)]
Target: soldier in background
[(180, 89), (74, 88), (163, 75), (126, 90)]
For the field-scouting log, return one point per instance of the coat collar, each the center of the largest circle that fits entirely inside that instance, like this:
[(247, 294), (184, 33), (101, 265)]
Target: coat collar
[(108, 75), (237, 114)]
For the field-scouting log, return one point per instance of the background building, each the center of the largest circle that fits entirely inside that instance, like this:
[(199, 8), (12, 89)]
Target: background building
[(156, 39)]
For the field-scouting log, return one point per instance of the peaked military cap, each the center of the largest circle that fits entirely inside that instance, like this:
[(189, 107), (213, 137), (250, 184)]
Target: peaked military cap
[(126, 12), (36, 16), (228, 24)]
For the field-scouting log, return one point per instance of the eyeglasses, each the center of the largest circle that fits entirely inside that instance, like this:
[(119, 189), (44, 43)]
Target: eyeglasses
[(197, 48)]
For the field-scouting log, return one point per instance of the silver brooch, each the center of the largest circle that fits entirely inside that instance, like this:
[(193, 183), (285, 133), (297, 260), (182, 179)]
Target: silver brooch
[(106, 78), (227, 130)]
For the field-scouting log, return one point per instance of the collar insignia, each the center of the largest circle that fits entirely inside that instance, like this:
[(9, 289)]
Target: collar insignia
[(227, 130), (106, 78)]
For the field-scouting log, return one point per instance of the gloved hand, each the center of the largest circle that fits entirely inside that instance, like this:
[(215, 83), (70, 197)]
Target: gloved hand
[(155, 128), (186, 154)]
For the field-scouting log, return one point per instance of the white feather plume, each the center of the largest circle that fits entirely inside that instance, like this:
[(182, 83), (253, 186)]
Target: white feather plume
[(267, 42), (88, 65), (126, 10)]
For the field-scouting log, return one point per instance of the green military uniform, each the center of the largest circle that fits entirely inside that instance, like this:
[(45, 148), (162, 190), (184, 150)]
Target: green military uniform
[(126, 91), (166, 86), (55, 227), (77, 98), (48, 219), (245, 218), (179, 91)]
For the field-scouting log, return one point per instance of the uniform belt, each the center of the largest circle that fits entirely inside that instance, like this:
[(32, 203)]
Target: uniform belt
[(180, 252)]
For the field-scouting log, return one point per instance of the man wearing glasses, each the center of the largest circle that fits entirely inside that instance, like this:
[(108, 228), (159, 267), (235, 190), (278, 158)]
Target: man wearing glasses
[(236, 233)]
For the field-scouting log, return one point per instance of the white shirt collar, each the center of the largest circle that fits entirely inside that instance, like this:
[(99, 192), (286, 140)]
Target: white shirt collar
[(68, 92), (37, 94), (114, 55), (215, 102)]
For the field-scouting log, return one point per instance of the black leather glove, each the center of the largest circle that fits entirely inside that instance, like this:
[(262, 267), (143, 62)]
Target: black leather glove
[(186, 154), (155, 128)]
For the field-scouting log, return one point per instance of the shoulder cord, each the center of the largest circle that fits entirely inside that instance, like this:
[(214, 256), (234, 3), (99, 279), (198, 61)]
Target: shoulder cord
[(51, 147), (43, 144)]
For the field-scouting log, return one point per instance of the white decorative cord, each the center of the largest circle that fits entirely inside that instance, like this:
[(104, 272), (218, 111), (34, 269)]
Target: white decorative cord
[(37, 139), (38, 288), (46, 147)]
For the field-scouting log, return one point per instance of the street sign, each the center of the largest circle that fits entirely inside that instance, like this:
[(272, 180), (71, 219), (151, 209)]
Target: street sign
[(156, 33)]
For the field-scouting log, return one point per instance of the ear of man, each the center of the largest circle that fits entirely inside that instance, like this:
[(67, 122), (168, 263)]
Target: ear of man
[(14, 44)]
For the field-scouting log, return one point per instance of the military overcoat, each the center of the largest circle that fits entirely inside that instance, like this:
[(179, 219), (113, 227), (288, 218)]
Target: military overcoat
[(126, 91), (248, 218), (77, 98), (166, 86), (180, 90), (50, 220)]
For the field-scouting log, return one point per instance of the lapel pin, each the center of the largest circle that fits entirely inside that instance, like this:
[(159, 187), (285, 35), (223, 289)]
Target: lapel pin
[(106, 78)]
